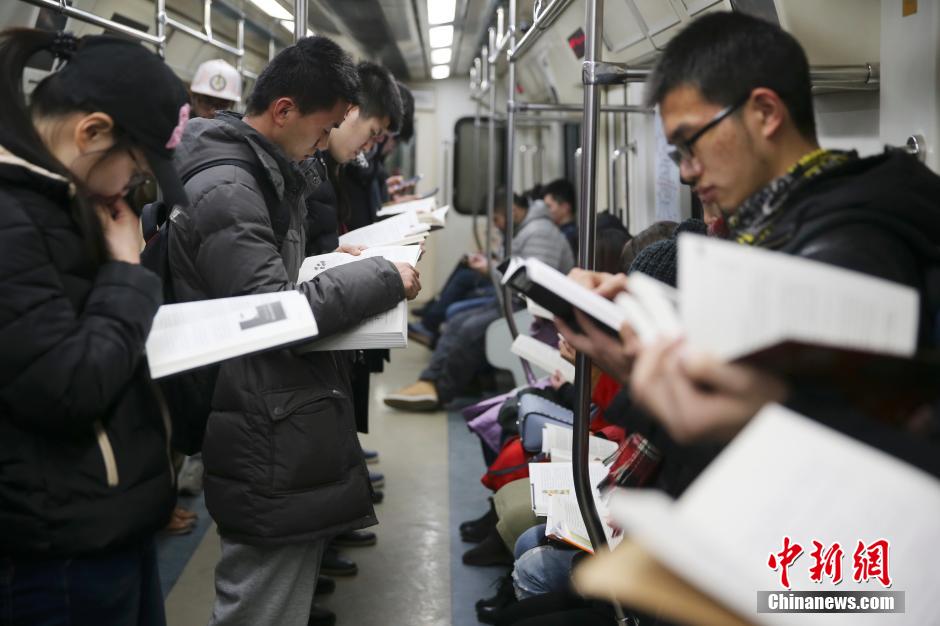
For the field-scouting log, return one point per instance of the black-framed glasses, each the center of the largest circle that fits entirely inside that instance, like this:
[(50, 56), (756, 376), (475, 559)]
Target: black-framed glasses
[(141, 191), (682, 149)]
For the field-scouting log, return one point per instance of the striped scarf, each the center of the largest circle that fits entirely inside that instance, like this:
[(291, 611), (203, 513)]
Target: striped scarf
[(754, 220)]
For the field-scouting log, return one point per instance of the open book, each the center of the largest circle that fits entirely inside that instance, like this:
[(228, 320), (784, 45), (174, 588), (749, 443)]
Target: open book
[(314, 265), (404, 229), (794, 316), (543, 355), (388, 329), (422, 205), (188, 335), (786, 475), (558, 441)]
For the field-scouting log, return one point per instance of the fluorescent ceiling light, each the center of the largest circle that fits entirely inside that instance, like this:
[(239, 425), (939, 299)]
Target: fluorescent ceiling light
[(441, 11), (273, 8), (441, 36), (440, 71), (440, 56)]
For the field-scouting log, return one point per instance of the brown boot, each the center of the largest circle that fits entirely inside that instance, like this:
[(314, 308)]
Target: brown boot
[(421, 396)]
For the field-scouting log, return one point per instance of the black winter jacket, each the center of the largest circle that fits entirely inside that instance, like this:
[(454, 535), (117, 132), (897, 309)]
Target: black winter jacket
[(283, 463), (84, 459), (321, 229)]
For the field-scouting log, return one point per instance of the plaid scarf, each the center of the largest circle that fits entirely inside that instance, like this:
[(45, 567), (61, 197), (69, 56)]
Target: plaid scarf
[(754, 220)]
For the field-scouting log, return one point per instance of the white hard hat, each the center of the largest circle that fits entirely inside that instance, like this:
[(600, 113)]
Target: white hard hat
[(218, 79)]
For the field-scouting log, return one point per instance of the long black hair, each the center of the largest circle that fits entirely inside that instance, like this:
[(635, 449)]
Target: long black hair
[(18, 134)]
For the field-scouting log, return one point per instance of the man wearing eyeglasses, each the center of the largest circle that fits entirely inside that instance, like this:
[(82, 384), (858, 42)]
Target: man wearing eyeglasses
[(735, 98)]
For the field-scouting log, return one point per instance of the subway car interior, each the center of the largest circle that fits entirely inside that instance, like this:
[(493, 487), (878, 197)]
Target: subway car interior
[(427, 312)]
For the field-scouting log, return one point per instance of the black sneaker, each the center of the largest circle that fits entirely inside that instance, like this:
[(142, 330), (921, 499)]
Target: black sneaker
[(355, 539), (335, 564), (490, 551), (377, 496), (488, 609), (325, 586), (321, 617), (371, 456), (377, 479), (475, 531)]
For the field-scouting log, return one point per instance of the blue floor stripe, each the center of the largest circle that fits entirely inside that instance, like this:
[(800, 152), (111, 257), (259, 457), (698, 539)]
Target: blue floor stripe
[(467, 501), (174, 551)]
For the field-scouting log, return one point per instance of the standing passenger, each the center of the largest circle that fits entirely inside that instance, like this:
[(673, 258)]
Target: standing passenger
[(216, 86), (284, 470), (85, 476)]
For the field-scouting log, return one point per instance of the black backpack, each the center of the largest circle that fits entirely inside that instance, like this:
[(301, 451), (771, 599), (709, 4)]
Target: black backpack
[(188, 395)]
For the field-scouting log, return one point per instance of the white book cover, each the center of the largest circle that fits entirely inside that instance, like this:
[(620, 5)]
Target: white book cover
[(737, 299), (547, 358), (192, 334), (786, 475), (393, 231), (314, 265), (421, 205), (388, 329)]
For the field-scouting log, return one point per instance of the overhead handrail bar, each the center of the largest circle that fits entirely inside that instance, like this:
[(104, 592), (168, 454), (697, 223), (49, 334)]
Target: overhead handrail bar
[(95, 20), (543, 20), (577, 108), (206, 38)]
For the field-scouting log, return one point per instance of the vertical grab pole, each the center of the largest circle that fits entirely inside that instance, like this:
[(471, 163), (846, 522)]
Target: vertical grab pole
[(491, 164), (160, 26), (510, 163), (300, 19)]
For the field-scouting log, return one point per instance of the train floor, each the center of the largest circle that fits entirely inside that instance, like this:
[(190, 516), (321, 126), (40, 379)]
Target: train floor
[(414, 575)]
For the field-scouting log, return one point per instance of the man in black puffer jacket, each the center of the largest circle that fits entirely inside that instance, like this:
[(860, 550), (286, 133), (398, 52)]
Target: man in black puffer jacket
[(284, 470)]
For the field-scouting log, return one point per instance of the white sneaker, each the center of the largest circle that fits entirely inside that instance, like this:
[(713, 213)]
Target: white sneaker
[(189, 481)]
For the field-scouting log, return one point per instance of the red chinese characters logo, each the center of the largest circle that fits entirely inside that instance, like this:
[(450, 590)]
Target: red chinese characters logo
[(784, 559), (868, 562), (828, 563), (871, 561)]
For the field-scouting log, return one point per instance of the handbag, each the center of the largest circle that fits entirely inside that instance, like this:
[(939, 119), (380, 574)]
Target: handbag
[(535, 411)]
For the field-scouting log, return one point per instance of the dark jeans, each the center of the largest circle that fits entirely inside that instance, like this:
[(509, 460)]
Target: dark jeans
[(462, 283), (117, 589)]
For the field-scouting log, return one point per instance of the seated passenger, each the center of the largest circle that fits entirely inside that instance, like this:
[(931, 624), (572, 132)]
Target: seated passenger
[(558, 196), (460, 353), (85, 481), (284, 470)]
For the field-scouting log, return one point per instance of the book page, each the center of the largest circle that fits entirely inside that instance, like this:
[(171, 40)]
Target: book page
[(421, 205), (315, 265), (565, 522), (537, 310), (788, 475), (547, 358), (388, 329), (551, 479), (192, 334), (386, 232), (558, 440), (737, 299)]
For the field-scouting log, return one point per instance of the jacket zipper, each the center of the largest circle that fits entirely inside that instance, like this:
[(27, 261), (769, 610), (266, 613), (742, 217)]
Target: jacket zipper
[(167, 426), (107, 453)]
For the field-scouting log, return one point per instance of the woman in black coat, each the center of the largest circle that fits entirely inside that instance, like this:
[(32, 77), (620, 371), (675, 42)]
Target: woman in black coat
[(85, 475)]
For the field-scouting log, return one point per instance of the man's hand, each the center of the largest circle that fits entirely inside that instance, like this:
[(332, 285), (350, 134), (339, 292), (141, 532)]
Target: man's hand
[(409, 278), (697, 397), (602, 283), (478, 263), (613, 355), (350, 248)]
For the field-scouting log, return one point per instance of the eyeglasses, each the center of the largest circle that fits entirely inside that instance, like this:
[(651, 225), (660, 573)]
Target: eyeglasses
[(141, 191), (682, 149)]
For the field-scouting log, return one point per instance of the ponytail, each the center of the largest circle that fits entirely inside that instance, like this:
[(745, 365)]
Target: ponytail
[(18, 134)]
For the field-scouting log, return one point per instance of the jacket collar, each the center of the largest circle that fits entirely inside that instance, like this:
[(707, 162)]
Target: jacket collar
[(44, 177), (285, 175)]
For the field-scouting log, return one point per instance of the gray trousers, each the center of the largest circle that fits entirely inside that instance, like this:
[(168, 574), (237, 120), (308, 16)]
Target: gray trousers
[(265, 585)]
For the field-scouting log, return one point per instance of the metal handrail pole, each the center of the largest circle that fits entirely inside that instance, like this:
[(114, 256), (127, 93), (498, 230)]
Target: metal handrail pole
[(300, 20), (534, 107), (544, 19), (95, 20), (201, 36), (159, 19), (491, 183)]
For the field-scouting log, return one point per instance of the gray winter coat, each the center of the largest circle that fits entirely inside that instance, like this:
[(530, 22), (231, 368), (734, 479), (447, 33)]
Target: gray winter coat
[(283, 463), (538, 237)]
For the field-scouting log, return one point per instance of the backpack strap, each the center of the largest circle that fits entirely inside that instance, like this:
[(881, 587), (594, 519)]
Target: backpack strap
[(279, 214)]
